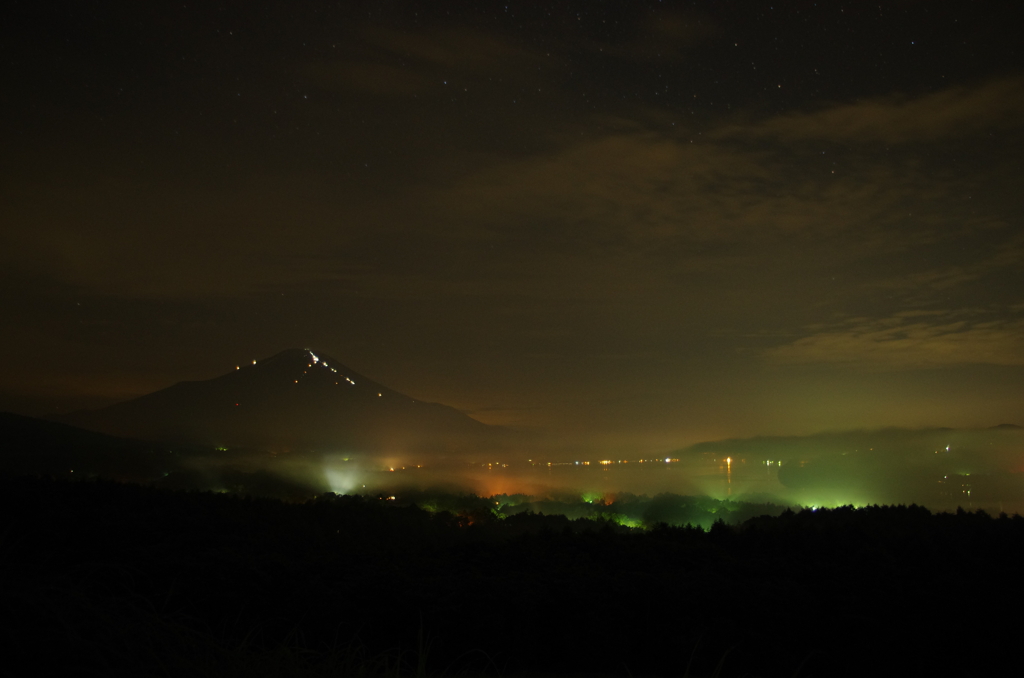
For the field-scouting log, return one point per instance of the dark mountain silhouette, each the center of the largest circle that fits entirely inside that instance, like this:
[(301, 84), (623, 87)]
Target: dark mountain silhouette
[(296, 400), (29, 445)]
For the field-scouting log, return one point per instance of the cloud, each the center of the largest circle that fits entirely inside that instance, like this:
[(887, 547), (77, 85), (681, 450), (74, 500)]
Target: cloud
[(910, 340), (641, 209), (648, 191), (949, 113), (989, 270)]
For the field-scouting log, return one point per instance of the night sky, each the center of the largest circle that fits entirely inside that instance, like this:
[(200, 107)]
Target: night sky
[(638, 224)]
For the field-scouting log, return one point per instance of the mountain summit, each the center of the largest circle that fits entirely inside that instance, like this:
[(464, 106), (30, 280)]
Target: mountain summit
[(298, 399)]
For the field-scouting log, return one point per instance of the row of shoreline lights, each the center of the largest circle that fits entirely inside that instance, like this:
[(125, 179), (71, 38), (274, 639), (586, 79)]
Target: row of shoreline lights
[(605, 462)]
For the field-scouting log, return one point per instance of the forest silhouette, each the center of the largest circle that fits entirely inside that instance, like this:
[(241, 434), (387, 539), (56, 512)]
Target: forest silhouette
[(107, 578)]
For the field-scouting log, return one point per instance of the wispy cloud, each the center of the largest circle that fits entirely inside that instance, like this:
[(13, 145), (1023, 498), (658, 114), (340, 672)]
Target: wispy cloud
[(948, 113), (910, 340)]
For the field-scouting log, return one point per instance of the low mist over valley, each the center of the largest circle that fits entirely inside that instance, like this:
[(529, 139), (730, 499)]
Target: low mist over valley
[(300, 424)]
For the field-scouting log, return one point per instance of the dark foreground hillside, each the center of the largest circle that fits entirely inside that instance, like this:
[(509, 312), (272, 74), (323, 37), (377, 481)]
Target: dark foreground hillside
[(113, 579)]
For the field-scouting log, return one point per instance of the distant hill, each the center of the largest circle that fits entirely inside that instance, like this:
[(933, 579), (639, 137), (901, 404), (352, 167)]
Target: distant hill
[(298, 400), (29, 445), (934, 466)]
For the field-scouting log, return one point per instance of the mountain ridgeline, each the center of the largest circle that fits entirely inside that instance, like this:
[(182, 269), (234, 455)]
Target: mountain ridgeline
[(297, 400)]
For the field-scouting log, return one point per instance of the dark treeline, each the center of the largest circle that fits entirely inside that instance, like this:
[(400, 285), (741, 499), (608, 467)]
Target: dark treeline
[(112, 579), (622, 508)]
